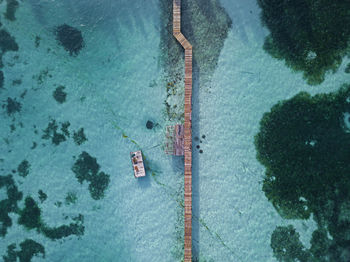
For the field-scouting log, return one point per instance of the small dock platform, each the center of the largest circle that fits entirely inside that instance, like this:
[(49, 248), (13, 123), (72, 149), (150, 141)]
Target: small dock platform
[(175, 140), (137, 164)]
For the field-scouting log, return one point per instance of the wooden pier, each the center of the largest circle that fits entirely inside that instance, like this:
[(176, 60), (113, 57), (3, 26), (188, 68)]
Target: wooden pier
[(187, 128)]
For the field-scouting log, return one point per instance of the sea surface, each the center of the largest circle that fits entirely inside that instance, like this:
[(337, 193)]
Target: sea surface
[(117, 82)]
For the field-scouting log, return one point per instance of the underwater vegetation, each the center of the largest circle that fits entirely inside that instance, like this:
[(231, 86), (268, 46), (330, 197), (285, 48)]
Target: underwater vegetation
[(9, 204), (287, 246), (11, 8), (59, 94), (87, 169), (75, 228), (23, 168), (70, 38), (7, 43), (2, 78), (30, 214), (30, 217), (347, 69), (311, 36), (51, 132), (42, 196), (42, 76), (12, 106), (37, 41), (303, 143), (58, 134), (29, 249), (71, 198), (79, 137)]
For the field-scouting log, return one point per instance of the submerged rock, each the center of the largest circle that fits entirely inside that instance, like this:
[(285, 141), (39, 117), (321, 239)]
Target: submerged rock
[(70, 38), (149, 124)]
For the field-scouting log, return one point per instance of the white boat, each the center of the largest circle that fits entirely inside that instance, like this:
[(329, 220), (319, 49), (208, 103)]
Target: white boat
[(137, 164)]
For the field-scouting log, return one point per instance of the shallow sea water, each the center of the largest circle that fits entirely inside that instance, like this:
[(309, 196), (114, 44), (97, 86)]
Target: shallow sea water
[(114, 86)]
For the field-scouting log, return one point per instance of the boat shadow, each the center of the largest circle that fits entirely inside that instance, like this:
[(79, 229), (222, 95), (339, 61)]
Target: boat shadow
[(144, 182)]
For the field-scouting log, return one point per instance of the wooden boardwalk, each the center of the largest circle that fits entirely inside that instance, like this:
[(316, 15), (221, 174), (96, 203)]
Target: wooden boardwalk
[(187, 128)]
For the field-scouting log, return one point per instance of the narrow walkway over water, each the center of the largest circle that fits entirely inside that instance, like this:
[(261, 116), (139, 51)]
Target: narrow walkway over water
[(187, 128)]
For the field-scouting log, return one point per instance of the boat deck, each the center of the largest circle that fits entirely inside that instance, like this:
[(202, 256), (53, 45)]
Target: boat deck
[(137, 163)]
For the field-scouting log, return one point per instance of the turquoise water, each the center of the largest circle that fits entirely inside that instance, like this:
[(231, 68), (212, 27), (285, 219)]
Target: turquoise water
[(117, 82)]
